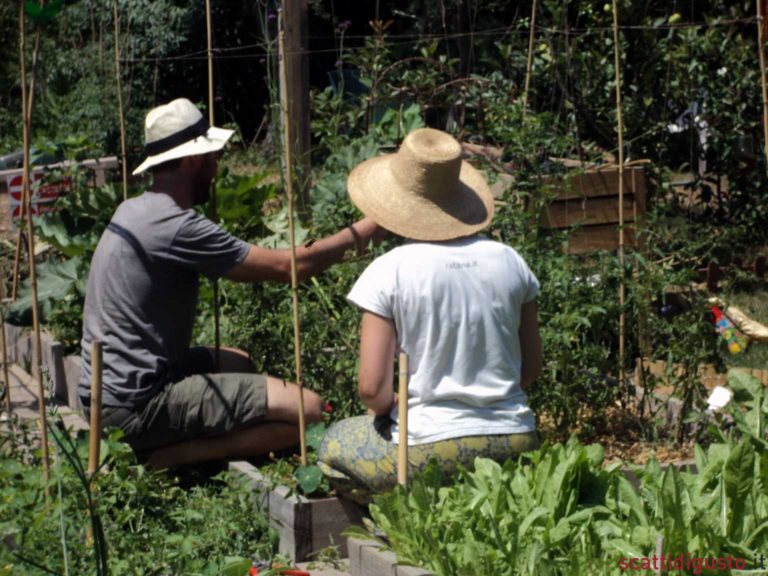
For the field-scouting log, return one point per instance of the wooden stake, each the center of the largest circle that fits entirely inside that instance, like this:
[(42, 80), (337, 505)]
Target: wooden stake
[(529, 67), (120, 111), (287, 144), (94, 446), (214, 216), (764, 87), (27, 199), (26, 116), (17, 257), (6, 379), (402, 421), (620, 130)]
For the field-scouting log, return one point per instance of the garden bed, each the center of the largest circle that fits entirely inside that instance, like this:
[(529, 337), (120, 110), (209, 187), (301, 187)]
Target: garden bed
[(305, 526)]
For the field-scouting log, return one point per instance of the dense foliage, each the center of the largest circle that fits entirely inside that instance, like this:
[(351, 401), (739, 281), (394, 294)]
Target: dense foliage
[(687, 66), (147, 522), (559, 510)]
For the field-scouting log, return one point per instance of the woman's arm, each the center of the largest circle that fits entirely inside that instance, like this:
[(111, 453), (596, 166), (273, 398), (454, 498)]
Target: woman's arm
[(530, 344), (378, 341)]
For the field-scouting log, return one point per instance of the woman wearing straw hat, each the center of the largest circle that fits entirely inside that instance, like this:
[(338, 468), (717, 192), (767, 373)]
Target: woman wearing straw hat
[(176, 403), (461, 306)]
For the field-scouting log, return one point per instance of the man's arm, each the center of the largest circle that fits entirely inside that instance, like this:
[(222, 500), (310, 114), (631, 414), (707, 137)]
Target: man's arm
[(378, 341), (267, 264), (530, 344)]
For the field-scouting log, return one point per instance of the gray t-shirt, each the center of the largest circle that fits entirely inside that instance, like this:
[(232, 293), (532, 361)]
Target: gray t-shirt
[(142, 294)]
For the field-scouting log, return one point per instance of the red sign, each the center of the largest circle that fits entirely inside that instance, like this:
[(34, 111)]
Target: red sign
[(42, 192), (37, 209)]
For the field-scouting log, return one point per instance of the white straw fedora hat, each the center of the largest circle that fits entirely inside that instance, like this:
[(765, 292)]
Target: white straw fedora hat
[(178, 129), (424, 191)]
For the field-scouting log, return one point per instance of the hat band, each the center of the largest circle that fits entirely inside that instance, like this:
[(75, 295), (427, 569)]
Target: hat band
[(178, 138)]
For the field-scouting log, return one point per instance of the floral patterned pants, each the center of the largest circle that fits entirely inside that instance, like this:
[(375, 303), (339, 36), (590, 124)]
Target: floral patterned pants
[(359, 458)]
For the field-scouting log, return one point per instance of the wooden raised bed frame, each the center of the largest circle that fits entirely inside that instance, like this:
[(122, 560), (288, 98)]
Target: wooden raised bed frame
[(305, 526)]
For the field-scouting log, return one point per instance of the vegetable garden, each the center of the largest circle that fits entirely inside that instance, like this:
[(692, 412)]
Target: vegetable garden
[(539, 93)]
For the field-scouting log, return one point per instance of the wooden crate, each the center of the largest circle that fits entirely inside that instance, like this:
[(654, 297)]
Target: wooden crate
[(305, 526), (590, 202)]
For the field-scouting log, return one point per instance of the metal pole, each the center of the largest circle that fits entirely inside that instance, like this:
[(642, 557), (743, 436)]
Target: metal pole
[(285, 102)]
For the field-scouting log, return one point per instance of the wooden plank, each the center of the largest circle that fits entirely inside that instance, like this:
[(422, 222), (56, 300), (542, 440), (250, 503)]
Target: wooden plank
[(597, 183), (587, 212), (72, 379), (305, 526), (53, 360), (329, 518), (592, 238), (377, 562)]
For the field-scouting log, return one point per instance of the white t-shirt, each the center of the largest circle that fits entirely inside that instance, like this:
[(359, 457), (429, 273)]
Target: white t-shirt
[(456, 307)]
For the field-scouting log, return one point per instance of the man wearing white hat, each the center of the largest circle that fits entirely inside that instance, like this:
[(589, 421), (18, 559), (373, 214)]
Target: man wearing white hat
[(141, 299)]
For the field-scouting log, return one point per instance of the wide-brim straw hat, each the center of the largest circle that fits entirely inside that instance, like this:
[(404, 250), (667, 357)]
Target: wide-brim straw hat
[(178, 129), (424, 191)]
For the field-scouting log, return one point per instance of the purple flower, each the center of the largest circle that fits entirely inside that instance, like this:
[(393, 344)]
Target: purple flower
[(262, 60), (344, 25), (339, 63), (272, 16)]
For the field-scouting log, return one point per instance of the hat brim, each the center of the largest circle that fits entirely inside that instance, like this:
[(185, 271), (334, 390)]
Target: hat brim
[(213, 141), (375, 191)]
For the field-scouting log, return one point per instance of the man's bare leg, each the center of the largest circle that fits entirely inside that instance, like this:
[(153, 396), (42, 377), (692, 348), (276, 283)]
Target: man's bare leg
[(252, 442), (278, 431)]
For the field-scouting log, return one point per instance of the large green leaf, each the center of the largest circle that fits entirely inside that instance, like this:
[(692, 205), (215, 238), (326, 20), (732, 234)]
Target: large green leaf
[(310, 478), (738, 477), (55, 281), (42, 13)]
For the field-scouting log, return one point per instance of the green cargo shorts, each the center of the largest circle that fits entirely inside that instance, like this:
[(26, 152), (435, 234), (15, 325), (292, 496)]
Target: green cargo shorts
[(197, 406)]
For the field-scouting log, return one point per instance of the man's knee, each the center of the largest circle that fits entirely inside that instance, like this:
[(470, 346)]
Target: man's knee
[(233, 360), (313, 406), (283, 402)]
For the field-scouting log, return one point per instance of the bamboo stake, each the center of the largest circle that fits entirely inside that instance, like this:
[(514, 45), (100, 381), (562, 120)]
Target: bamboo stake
[(402, 421), (216, 319), (620, 129), (6, 379), (94, 434), (27, 117), (284, 106), (94, 446), (120, 112), (26, 107), (529, 66), (17, 257), (764, 86)]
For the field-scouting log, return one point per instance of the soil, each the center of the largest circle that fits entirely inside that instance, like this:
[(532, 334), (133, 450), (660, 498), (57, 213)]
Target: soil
[(626, 438)]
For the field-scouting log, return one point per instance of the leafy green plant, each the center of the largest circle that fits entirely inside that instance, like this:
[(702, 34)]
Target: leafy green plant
[(305, 479), (150, 524), (559, 511)]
